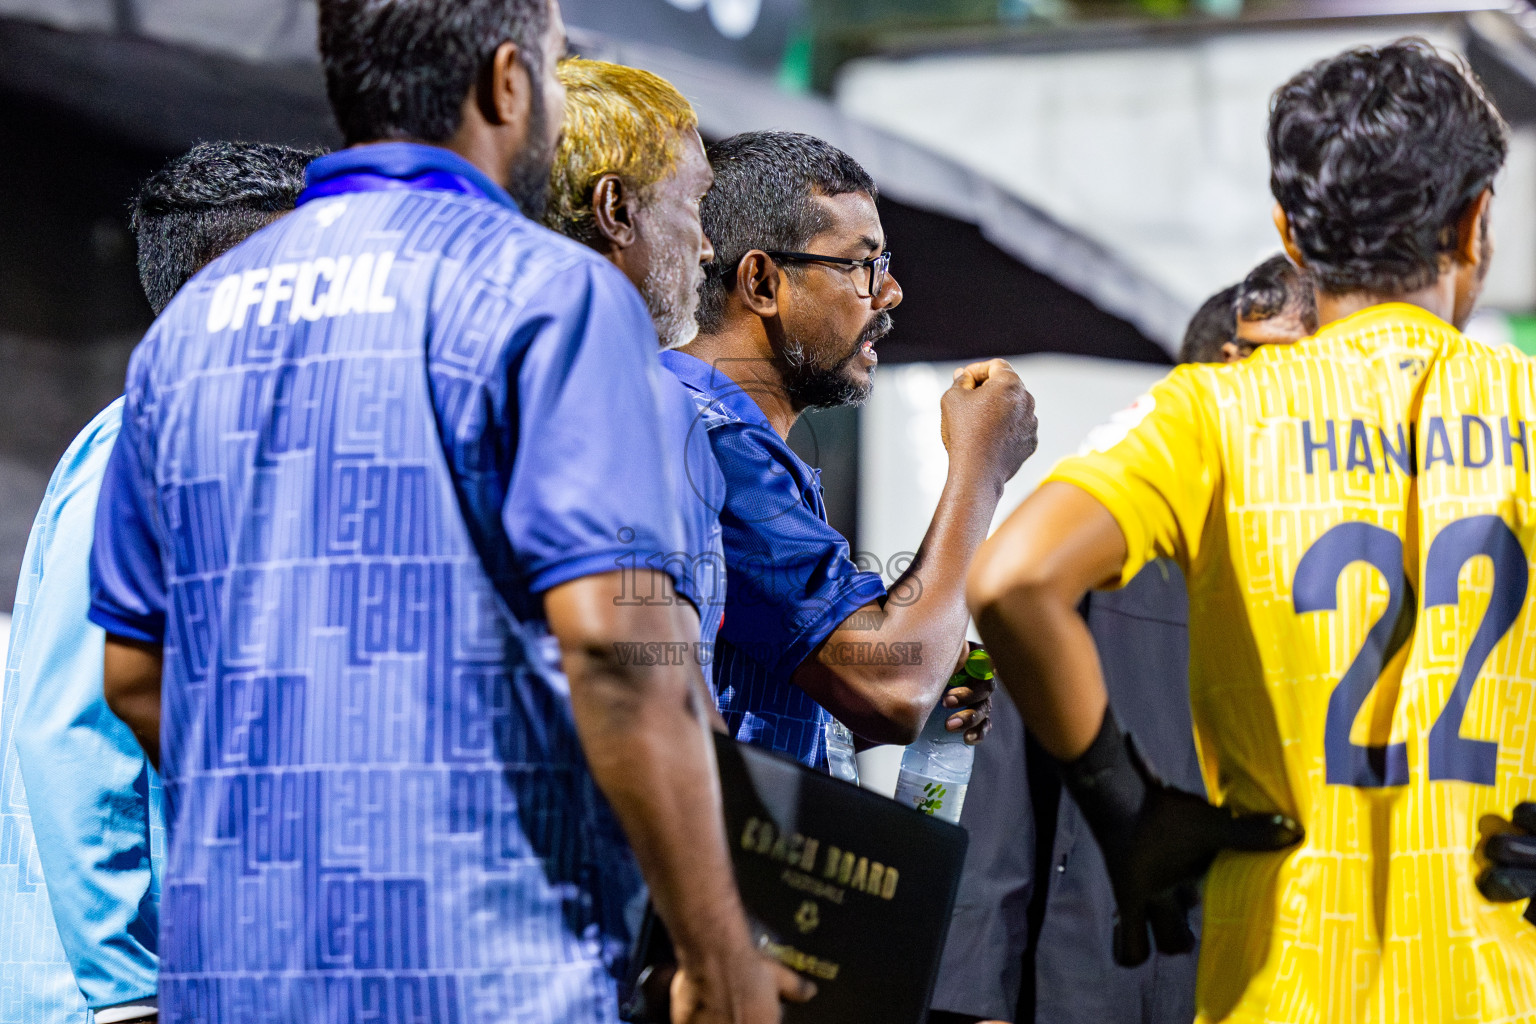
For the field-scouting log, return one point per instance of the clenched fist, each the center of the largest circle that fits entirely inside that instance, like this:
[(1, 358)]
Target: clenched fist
[(988, 421)]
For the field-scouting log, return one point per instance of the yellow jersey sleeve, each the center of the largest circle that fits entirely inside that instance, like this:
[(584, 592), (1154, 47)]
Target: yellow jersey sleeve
[(1156, 468)]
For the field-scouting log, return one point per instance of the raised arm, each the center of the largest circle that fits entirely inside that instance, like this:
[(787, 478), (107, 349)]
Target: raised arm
[(990, 429)]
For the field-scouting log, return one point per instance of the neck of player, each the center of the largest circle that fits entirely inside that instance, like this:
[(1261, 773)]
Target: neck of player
[(1439, 298)]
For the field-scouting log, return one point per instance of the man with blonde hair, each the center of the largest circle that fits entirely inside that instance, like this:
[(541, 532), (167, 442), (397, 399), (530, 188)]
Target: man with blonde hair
[(628, 179)]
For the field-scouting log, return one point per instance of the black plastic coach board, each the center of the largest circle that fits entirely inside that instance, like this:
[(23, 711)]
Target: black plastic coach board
[(849, 888)]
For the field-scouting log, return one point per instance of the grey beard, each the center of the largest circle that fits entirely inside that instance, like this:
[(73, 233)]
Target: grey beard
[(671, 295), (681, 335)]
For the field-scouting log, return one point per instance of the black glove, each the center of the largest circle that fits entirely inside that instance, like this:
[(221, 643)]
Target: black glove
[(1509, 856), (1157, 841)]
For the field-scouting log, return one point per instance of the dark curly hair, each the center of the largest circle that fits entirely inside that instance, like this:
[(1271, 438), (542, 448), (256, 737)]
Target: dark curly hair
[(1375, 154), (1213, 325), (1276, 287), (207, 201)]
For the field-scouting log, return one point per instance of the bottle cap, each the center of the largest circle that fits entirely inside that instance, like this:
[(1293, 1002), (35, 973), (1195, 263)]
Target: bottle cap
[(979, 665)]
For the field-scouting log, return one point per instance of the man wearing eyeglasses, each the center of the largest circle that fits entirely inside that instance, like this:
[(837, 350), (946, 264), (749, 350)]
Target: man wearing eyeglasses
[(797, 297)]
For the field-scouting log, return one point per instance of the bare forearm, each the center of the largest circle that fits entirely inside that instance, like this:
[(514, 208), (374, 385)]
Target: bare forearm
[(924, 618), (988, 425), (645, 731), (1025, 588), (1047, 661), (652, 757), (131, 684)]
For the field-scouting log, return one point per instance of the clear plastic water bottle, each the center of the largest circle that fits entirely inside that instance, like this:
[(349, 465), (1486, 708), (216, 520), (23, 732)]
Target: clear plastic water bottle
[(936, 770)]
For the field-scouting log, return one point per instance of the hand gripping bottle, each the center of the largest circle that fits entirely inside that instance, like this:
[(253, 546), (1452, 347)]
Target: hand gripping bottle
[(936, 770)]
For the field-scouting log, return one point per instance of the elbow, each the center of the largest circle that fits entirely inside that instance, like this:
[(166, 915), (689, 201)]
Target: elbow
[(887, 733), (880, 711), (996, 582), (899, 724), (895, 712), (906, 730)]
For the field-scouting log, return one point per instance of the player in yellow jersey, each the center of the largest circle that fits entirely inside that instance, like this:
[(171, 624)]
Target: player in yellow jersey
[(1355, 515)]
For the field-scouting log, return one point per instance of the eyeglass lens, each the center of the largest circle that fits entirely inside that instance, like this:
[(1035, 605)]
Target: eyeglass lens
[(877, 271)]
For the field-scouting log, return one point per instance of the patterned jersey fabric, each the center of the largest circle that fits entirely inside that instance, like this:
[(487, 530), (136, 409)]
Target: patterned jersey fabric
[(1355, 518), (790, 582), (700, 497), (356, 451)]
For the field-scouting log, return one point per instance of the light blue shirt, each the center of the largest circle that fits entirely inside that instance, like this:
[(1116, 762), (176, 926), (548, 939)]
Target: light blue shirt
[(79, 906)]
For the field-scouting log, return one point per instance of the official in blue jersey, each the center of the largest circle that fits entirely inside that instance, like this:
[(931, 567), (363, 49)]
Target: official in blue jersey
[(628, 179), (798, 295), (79, 910), (389, 477)]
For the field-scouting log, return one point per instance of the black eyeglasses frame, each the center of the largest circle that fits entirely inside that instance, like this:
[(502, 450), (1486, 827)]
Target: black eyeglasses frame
[(878, 266)]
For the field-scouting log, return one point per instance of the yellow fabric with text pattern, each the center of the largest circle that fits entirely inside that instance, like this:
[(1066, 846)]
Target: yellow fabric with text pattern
[(1354, 515)]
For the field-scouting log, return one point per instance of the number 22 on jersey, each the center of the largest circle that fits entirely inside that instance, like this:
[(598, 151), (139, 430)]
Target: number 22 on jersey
[(1315, 589)]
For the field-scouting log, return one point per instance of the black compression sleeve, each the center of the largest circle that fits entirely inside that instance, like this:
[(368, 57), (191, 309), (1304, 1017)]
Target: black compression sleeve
[(1107, 783)]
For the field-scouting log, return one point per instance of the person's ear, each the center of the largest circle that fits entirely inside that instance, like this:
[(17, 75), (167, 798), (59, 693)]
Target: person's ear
[(504, 82), (1469, 229), (613, 210), (1287, 238), (757, 284)]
